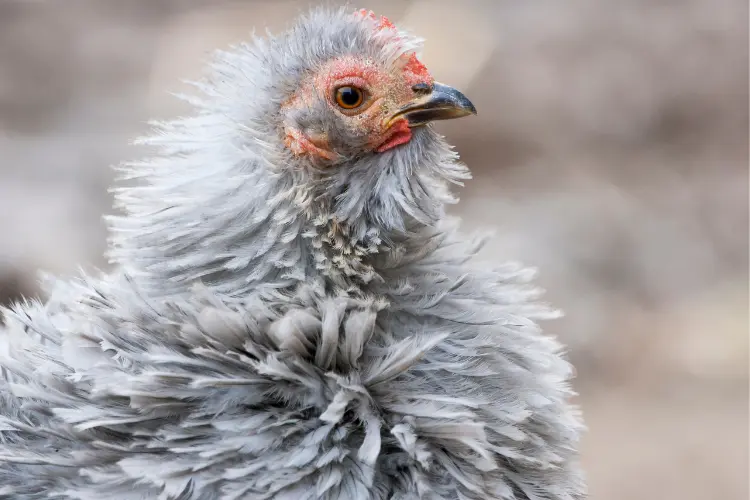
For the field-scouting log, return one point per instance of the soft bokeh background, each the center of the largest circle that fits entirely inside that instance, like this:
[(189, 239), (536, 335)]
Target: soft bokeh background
[(610, 151)]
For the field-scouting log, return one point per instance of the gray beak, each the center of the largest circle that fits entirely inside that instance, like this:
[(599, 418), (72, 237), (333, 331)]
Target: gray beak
[(441, 102)]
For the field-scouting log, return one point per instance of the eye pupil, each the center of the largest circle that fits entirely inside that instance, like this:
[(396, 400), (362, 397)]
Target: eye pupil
[(349, 97)]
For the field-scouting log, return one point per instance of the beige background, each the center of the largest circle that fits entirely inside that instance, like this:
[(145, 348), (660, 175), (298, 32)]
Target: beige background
[(610, 150)]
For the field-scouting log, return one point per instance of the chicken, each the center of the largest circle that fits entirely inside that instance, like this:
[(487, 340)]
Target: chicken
[(291, 313)]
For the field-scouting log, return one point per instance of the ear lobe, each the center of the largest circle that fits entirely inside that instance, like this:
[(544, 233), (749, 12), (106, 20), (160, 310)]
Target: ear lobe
[(315, 146)]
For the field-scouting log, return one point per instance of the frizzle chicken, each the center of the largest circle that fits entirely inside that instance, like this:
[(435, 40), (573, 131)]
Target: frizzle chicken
[(291, 314)]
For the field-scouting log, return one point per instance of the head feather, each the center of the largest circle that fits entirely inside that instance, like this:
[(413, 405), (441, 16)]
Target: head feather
[(223, 200)]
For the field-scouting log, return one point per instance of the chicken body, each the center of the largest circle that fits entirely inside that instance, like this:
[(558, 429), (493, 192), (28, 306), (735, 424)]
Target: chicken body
[(292, 315)]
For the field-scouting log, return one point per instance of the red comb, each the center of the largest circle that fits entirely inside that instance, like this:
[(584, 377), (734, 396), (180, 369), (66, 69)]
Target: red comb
[(418, 72), (382, 24), (415, 71)]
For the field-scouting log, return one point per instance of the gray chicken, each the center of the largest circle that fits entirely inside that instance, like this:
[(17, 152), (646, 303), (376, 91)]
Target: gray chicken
[(292, 315)]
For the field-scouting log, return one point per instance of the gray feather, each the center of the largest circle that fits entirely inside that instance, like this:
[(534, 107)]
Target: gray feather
[(277, 332)]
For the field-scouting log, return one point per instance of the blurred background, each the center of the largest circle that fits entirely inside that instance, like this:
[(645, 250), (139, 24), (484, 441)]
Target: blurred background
[(610, 151)]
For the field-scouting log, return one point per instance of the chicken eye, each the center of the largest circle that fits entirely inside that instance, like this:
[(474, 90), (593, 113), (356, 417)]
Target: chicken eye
[(349, 97)]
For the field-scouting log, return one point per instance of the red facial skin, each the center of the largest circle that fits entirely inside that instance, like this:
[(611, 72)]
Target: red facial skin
[(386, 91)]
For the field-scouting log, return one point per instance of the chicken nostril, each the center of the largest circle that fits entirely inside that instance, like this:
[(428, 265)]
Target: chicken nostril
[(422, 88)]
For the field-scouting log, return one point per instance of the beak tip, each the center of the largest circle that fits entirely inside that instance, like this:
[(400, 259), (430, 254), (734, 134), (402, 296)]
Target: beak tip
[(468, 105), (460, 101)]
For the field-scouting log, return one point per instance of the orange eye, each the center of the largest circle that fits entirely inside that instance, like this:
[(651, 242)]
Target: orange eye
[(349, 97)]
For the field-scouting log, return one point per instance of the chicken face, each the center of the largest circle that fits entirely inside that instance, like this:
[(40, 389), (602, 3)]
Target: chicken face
[(359, 104)]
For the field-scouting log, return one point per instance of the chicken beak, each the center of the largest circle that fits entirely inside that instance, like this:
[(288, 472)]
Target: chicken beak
[(441, 103)]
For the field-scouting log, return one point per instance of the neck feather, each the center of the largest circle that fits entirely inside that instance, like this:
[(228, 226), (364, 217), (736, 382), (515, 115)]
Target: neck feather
[(235, 213)]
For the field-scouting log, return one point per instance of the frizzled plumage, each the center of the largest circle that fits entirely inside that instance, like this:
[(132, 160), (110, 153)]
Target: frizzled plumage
[(277, 329)]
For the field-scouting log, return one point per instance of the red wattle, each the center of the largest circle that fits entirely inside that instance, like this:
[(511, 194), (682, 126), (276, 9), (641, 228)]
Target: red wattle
[(400, 134)]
